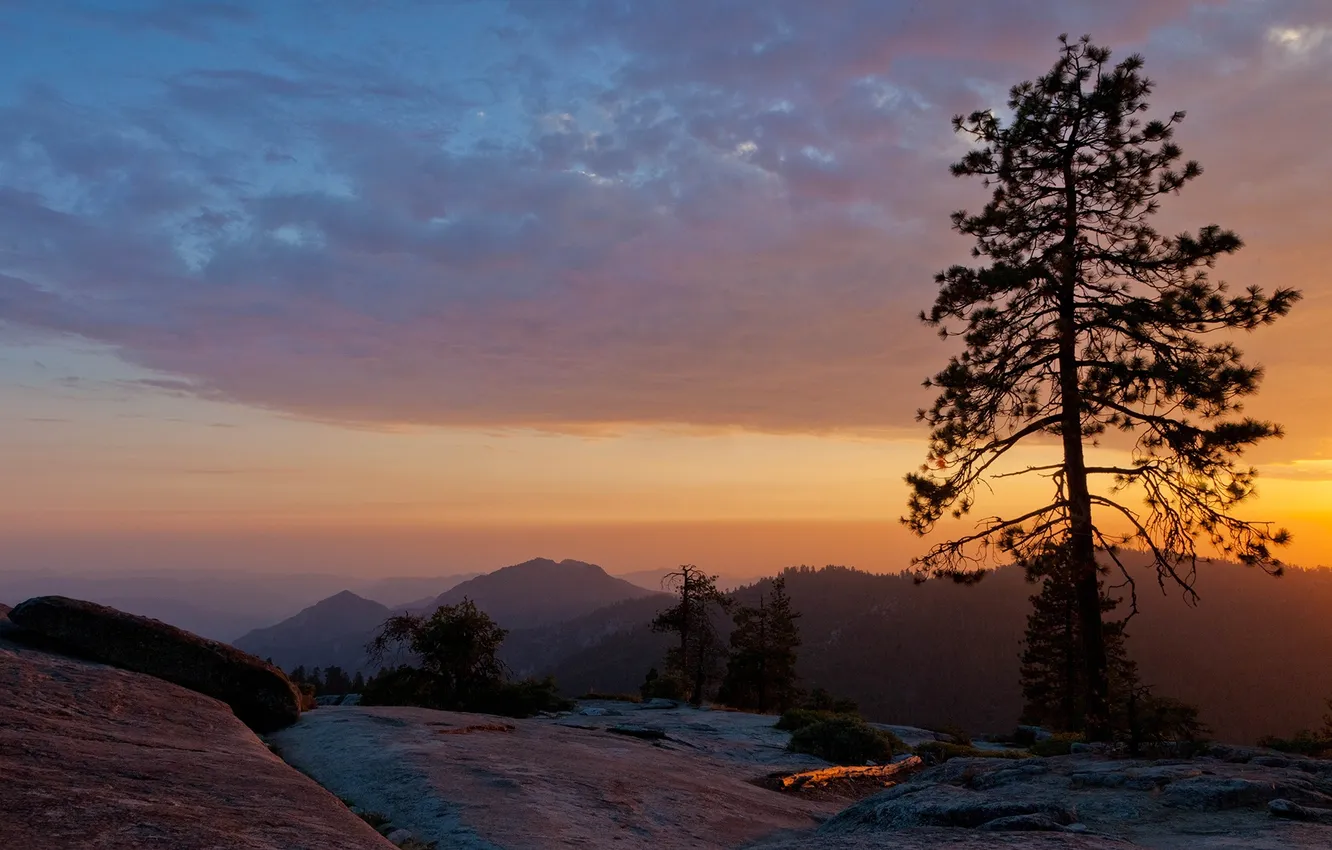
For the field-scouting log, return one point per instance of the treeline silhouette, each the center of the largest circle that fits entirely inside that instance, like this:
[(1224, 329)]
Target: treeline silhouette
[(1252, 654)]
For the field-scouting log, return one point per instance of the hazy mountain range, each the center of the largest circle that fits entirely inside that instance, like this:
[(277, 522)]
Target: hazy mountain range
[(530, 595)]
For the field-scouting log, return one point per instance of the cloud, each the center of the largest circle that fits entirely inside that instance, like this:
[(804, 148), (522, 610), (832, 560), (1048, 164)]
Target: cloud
[(688, 213)]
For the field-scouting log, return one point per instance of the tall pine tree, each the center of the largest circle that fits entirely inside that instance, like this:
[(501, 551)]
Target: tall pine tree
[(1085, 321), (694, 661)]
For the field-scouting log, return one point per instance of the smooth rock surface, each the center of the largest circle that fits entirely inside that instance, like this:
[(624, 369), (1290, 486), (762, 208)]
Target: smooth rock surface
[(259, 693), (559, 782), (96, 758)]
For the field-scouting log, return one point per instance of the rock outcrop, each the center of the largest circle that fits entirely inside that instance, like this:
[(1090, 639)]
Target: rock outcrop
[(1087, 801), (95, 757), (259, 693)]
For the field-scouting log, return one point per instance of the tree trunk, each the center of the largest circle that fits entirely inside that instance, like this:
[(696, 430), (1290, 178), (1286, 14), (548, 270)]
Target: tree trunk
[(1082, 545)]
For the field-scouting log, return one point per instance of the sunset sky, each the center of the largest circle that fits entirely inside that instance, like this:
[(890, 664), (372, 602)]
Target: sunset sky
[(411, 286)]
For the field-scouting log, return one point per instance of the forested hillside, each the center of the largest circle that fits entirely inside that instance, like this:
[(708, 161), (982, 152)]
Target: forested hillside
[(1253, 653)]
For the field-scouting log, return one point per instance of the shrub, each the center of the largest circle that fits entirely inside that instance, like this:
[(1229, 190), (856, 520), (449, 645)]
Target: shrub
[(798, 718), (411, 686), (820, 700), (521, 699), (845, 740), (404, 686), (1059, 745), (1304, 743), (656, 686), (938, 752), (1166, 726)]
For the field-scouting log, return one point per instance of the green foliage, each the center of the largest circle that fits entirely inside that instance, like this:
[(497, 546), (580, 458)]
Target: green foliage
[(1304, 743), (845, 740), (521, 699), (656, 686), (820, 700), (1165, 724), (938, 752), (694, 662), (1061, 744), (760, 673), (457, 646), (406, 685), (459, 669), (798, 718), (414, 686), (1054, 683)]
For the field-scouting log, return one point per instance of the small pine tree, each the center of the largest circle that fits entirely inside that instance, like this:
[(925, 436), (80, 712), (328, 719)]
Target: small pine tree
[(760, 673), (358, 683), (694, 661), (1053, 685)]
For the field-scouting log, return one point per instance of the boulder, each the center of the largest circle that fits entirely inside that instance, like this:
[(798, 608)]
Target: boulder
[(259, 693), (96, 757), (1281, 808)]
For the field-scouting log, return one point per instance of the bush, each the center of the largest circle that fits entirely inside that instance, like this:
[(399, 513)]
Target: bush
[(845, 740), (656, 686), (1305, 743), (404, 686), (798, 718), (411, 686), (1166, 726), (521, 699), (1059, 745), (938, 752), (821, 700)]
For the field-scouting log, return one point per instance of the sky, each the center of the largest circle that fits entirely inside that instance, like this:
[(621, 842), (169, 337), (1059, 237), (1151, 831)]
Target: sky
[(421, 286)]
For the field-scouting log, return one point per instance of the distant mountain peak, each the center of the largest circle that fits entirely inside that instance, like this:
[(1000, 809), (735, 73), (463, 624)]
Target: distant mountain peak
[(541, 591)]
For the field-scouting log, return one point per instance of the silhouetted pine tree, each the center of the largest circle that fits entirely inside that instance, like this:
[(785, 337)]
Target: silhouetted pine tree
[(1088, 320), (1053, 689), (760, 673), (694, 661)]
